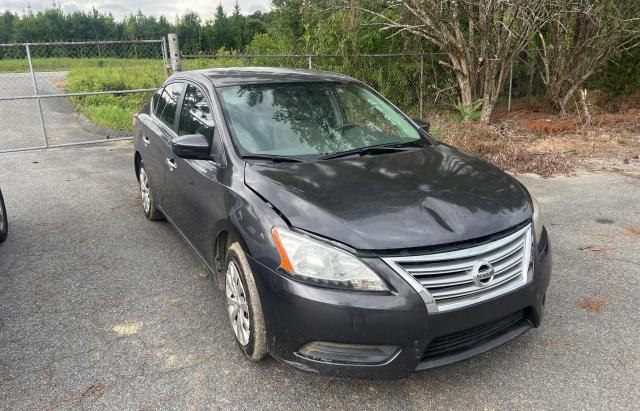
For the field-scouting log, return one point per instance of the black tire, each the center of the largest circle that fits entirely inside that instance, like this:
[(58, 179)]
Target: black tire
[(256, 347), (4, 221), (150, 210)]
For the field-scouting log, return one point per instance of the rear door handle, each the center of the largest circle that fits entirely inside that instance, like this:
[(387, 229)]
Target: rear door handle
[(172, 164), (146, 140)]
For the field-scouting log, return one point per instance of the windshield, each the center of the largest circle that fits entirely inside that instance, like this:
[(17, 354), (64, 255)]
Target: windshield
[(311, 119)]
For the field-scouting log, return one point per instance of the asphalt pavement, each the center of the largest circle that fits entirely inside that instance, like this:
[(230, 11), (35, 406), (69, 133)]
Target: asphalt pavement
[(100, 308), (20, 119)]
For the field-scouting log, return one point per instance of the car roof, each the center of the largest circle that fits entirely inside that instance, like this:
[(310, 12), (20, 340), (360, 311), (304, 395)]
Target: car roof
[(234, 76)]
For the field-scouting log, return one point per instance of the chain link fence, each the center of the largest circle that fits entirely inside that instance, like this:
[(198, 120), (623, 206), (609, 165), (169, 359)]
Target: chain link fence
[(68, 93)]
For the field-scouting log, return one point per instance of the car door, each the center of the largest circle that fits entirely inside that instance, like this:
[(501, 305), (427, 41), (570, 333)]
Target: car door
[(156, 139), (195, 192)]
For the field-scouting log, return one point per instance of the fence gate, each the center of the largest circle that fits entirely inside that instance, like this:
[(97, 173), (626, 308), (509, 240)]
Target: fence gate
[(71, 93)]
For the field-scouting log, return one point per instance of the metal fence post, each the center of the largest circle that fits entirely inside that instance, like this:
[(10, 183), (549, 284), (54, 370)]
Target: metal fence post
[(174, 51), (510, 85), (420, 88), (37, 94), (310, 65), (165, 58)]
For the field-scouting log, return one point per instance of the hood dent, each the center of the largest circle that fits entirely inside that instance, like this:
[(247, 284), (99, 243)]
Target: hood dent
[(394, 201)]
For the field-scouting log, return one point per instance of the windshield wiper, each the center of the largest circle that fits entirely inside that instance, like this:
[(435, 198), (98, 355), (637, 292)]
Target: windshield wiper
[(274, 158), (406, 146)]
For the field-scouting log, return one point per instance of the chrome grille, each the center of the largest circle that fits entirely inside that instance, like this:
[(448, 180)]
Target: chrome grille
[(447, 280)]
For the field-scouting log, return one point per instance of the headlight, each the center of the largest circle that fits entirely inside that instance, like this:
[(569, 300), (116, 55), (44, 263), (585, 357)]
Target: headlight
[(318, 263), (537, 219)]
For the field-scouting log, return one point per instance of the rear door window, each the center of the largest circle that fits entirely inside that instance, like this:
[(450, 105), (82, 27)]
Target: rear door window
[(168, 103)]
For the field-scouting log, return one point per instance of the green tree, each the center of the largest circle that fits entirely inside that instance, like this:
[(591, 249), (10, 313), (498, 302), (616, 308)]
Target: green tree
[(580, 39), (219, 30), (188, 29), (6, 26), (286, 31), (236, 29)]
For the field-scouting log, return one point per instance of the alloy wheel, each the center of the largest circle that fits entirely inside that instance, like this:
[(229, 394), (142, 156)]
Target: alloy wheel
[(237, 305), (144, 190)]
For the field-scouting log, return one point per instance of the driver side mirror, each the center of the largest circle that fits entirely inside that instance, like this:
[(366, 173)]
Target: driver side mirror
[(191, 147), (423, 124)]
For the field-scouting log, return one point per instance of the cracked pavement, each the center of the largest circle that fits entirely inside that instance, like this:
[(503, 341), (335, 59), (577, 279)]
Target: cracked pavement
[(100, 308)]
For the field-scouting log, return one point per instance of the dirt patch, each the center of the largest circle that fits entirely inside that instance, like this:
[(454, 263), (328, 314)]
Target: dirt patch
[(597, 249), (561, 345), (632, 230), (548, 126), (135, 200), (533, 139), (510, 151), (626, 362), (595, 305), (61, 84), (94, 390)]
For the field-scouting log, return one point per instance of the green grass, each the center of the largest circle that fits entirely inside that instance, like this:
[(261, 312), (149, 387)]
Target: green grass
[(114, 111), (109, 110), (10, 65)]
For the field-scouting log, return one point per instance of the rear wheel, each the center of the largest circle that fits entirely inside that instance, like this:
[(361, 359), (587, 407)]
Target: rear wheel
[(148, 202), (4, 223), (243, 305)]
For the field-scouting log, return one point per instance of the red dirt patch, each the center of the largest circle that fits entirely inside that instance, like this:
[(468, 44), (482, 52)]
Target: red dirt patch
[(597, 249), (533, 138), (632, 230), (549, 126), (510, 151), (592, 304)]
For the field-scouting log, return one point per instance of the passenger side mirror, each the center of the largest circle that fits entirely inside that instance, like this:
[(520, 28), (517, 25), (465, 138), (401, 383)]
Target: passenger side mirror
[(191, 147), (423, 124)]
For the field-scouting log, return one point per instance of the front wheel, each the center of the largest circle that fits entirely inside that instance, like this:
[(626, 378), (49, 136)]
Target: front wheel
[(4, 223), (243, 305)]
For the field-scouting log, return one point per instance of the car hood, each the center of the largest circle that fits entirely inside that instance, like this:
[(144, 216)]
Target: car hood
[(419, 198)]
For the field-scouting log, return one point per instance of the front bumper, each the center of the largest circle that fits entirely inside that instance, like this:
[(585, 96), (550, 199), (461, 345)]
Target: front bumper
[(297, 314)]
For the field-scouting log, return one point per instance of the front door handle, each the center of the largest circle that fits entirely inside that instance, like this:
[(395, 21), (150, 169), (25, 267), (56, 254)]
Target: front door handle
[(172, 164), (146, 140)]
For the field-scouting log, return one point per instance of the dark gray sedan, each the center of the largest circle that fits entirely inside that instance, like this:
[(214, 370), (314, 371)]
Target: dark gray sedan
[(347, 240)]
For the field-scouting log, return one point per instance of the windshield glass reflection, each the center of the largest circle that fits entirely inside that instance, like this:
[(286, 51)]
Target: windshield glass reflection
[(311, 119)]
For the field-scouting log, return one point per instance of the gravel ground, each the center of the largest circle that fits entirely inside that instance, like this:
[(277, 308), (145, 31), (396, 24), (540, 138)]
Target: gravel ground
[(100, 308)]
